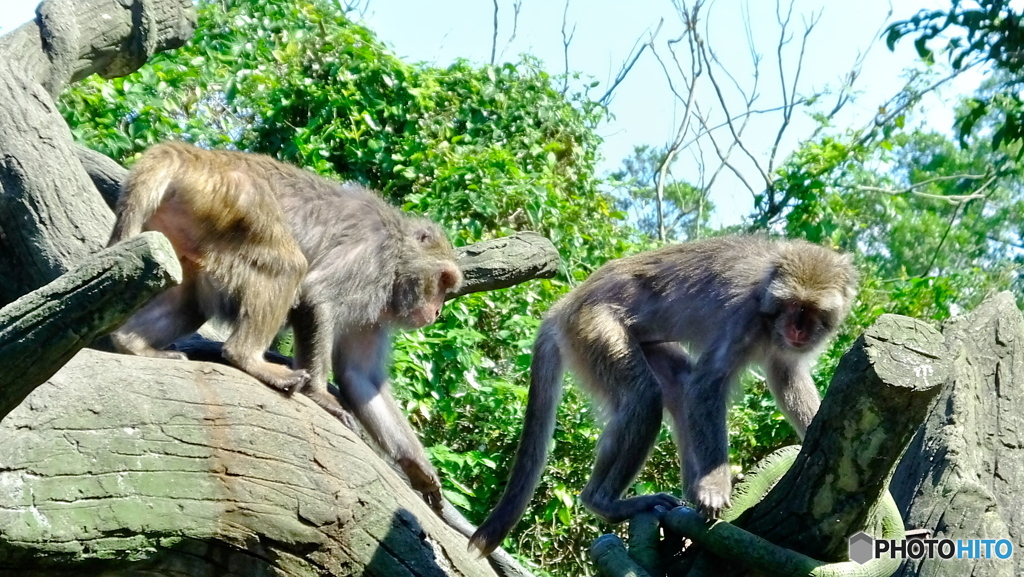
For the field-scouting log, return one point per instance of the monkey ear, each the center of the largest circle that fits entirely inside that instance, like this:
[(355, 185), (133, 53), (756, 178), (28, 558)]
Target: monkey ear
[(451, 278)]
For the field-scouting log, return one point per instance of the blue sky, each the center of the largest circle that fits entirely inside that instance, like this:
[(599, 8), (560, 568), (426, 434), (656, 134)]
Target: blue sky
[(645, 112)]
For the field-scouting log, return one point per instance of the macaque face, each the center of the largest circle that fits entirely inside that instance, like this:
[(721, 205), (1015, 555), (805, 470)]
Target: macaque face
[(425, 314), (803, 326), (435, 288)]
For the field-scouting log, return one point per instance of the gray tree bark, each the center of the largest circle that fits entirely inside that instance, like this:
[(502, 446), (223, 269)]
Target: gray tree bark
[(127, 466), (963, 474), (50, 213), (504, 262), (42, 330)]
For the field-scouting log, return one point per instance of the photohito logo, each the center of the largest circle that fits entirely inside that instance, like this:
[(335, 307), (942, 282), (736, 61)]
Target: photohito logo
[(864, 548)]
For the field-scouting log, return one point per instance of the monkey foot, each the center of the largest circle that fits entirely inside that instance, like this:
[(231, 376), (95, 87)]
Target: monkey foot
[(434, 499), (344, 416), (295, 381)]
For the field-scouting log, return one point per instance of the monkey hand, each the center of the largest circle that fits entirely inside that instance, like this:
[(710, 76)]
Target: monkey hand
[(710, 493), (424, 479)]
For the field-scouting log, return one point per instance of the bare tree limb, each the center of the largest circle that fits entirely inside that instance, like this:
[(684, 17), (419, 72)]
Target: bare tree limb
[(789, 98), (630, 61), (690, 21), (494, 35), (566, 41)]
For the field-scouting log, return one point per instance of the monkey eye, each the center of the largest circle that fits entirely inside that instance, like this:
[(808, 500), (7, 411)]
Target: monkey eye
[(424, 236), (826, 322)]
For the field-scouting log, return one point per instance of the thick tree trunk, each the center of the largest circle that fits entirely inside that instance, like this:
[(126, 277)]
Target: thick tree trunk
[(50, 213), (123, 465), (963, 474)]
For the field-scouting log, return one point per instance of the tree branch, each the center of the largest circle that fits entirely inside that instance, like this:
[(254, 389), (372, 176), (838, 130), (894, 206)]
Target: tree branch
[(43, 329)]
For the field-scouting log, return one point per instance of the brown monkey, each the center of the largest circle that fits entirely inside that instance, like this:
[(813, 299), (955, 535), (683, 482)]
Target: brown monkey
[(238, 257), (371, 267), (732, 300)]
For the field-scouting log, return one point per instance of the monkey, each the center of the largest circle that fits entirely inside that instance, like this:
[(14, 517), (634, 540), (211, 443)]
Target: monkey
[(732, 301), (238, 257), (372, 268), (359, 269)]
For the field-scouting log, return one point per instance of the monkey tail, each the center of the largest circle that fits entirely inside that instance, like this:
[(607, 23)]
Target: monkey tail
[(143, 191), (532, 454)]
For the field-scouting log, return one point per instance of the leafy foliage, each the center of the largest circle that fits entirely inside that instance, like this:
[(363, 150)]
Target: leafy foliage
[(970, 33), (686, 208)]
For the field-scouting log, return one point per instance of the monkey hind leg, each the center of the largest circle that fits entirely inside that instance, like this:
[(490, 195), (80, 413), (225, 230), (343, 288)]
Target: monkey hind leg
[(170, 315), (622, 449), (617, 371), (263, 292)]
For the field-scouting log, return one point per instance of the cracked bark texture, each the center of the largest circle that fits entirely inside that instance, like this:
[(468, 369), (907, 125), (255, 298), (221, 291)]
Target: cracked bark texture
[(124, 465), (964, 471), (51, 215)]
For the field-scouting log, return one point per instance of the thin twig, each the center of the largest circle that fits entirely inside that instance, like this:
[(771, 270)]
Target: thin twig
[(566, 40), (494, 35), (690, 20), (950, 198), (723, 157), (909, 99), (517, 6), (630, 61), (729, 119)]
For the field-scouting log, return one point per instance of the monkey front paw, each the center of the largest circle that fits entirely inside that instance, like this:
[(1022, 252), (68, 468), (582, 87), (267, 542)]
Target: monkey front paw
[(664, 502), (658, 503), (710, 493), (424, 479)]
